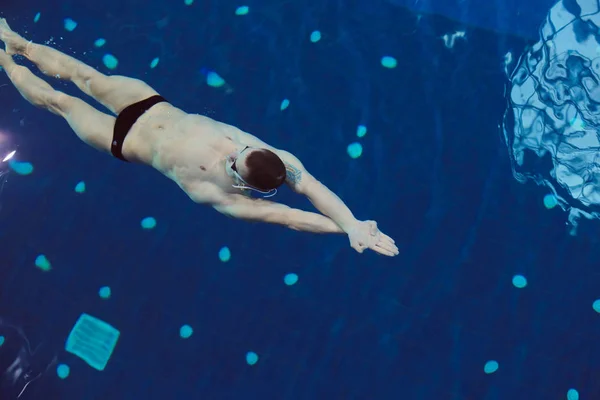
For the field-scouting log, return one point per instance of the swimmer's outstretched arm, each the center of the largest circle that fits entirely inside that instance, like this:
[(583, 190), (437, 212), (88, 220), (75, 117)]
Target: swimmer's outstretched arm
[(259, 210), (362, 234)]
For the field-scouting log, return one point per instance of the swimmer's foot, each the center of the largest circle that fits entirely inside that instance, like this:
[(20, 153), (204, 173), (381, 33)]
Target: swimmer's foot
[(13, 42)]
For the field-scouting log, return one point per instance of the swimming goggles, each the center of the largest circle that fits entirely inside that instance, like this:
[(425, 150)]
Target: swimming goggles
[(246, 185)]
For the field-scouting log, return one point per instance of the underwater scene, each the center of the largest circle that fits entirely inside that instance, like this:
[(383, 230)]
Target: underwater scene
[(300, 200)]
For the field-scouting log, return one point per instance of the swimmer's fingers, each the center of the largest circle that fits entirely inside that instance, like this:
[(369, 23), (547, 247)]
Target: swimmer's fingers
[(389, 239), (386, 241), (384, 251), (385, 247)]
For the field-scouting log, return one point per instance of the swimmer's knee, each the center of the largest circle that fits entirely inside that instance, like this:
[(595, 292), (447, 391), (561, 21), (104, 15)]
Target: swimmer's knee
[(59, 103), (85, 77)]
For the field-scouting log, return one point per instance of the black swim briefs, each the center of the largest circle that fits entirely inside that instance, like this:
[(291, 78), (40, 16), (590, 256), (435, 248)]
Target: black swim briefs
[(125, 121)]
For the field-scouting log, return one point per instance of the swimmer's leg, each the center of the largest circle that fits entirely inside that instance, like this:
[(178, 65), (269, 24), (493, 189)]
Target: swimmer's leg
[(92, 126), (113, 92)]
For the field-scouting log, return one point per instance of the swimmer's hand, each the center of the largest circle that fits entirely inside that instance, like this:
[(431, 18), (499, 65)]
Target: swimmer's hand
[(365, 234)]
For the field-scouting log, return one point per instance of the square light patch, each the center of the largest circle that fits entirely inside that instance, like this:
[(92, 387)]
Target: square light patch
[(93, 341)]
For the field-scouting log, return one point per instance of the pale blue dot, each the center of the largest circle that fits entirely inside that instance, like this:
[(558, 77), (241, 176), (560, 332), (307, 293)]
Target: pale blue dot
[(21, 167), (389, 62), (315, 36), (490, 367), (188, 2), (214, 80), (550, 201), (284, 104), (572, 394), (519, 281), (110, 61), (355, 150), (242, 10), (290, 279), (361, 131), (104, 292), (1, 340), (154, 63), (70, 25), (224, 254), (148, 223), (63, 371), (251, 358), (37, 17), (80, 187), (42, 263), (596, 306), (185, 331), (99, 42)]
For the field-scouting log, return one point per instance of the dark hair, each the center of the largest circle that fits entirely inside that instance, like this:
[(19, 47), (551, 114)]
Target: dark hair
[(266, 171)]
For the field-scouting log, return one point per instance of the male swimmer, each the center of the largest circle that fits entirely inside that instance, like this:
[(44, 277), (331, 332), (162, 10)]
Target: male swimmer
[(212, 162)]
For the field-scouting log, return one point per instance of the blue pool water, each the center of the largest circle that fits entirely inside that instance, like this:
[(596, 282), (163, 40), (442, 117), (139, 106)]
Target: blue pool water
[(466, 129)]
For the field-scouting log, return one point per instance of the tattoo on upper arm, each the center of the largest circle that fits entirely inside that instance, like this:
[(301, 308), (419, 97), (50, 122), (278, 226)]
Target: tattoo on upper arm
[(293, 174)]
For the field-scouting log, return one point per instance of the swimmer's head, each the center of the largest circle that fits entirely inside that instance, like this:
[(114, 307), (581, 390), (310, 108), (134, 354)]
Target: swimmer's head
[(259, 169)]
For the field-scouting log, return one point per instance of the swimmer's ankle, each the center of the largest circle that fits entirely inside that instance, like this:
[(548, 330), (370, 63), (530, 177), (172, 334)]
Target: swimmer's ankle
[(16, 44)]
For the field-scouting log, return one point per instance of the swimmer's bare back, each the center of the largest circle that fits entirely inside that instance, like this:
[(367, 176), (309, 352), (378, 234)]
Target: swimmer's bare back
[(190, 149)]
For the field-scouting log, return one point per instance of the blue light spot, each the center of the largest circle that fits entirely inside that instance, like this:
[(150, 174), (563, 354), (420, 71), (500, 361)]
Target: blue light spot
[(242, 10), (148, 223), (224, 254), (355, 150), (214, 80), (188, 2), (100, 42), (361, 131), (21, 167), (37, 17), (63, 371), (284, 104), (70, 25), (389, 62), (1, 340), (572, 394), (251, 358), (154, 63), (596, 306), (519, 281), (80, 187), (42, 263), (490, 367), (315, 36), (185, 331), (290, 279), (110, 61), (104, 292), (550, 201)]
